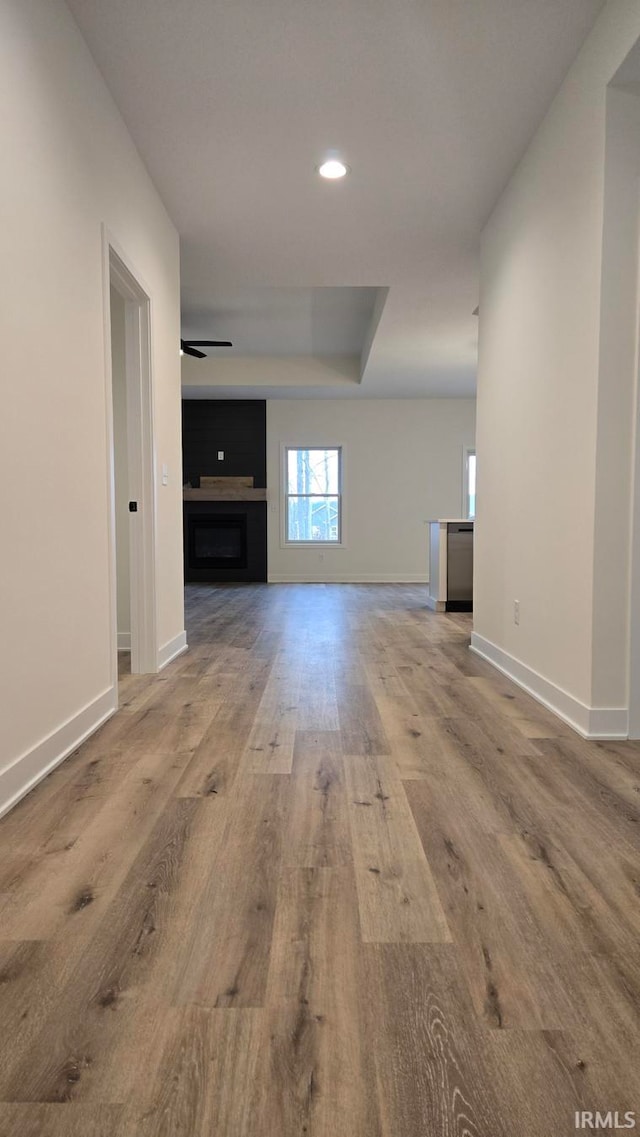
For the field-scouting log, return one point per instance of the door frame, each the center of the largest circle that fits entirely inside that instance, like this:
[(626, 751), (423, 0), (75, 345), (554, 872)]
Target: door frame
[(119, 272)]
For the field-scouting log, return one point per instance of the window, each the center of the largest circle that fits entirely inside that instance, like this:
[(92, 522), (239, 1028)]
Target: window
[(469, 474), (313, 496)]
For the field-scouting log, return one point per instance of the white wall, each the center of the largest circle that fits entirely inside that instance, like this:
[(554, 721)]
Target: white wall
[(617, 359), (552, 517), (121, 468), (69, 166), (403, 463)]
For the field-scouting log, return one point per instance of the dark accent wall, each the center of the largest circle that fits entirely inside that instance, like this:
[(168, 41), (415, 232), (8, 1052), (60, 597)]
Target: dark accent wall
[(236, 426)]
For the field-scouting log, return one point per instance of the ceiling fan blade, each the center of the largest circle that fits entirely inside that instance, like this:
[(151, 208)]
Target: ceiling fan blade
[(192, 351), (209, 343)]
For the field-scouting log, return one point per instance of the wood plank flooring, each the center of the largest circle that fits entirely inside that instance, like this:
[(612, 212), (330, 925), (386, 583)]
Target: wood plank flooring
[(328, 874)]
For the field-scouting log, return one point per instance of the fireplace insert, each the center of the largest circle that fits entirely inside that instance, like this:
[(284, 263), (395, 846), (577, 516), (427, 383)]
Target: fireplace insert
[(216, 541), (225, 541)]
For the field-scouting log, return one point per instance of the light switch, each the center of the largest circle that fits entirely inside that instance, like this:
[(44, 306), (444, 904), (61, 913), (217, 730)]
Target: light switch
[(165, 474), (221, 455)]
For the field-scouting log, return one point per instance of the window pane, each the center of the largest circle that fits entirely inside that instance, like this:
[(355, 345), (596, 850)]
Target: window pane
[(313, 471), (471, 485), (313, 519)]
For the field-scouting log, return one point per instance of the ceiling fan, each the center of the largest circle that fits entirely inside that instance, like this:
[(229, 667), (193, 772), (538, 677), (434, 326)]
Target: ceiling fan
[(190, 347)]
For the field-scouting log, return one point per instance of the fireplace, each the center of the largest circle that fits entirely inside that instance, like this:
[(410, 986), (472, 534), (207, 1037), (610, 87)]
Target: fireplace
[(218, 542), (225, 541)]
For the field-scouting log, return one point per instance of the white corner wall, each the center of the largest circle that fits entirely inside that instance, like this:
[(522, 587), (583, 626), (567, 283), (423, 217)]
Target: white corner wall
[(403, 462), (552, 518), (69, 166)]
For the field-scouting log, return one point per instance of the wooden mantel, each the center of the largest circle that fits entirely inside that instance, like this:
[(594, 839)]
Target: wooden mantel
[(224, 489), (221, 493)]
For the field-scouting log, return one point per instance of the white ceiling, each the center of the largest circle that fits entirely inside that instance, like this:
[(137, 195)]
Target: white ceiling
[(232, 103), (280, 321)]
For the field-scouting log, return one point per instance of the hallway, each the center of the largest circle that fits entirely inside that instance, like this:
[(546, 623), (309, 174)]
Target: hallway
[(327, 874)]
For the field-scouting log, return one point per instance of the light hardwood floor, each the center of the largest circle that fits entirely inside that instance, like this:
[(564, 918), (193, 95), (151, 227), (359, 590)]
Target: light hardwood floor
[(328, 874)]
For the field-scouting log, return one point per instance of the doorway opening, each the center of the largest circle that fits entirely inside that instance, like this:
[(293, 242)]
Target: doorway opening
[(131, 467)]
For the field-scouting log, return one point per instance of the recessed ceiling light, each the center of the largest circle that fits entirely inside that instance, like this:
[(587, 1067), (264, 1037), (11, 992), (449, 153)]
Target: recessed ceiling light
[(333, 168)]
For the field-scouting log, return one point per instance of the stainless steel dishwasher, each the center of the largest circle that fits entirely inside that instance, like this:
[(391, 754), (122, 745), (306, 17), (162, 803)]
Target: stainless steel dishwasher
[(460, 566)]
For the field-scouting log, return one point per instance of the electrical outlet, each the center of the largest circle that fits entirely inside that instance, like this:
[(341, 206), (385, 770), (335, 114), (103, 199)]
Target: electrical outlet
[(221, 455), (516, 611)]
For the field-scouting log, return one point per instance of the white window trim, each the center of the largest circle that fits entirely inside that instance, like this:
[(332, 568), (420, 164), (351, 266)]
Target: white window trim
[(467, 451), (326, 545)]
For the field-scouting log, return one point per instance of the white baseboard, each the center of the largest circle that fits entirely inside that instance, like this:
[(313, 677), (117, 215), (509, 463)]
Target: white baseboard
[(124, 641), (435, 605), (348, 578), (172, 650), (608, 722), (589, 722), (25, 772)]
